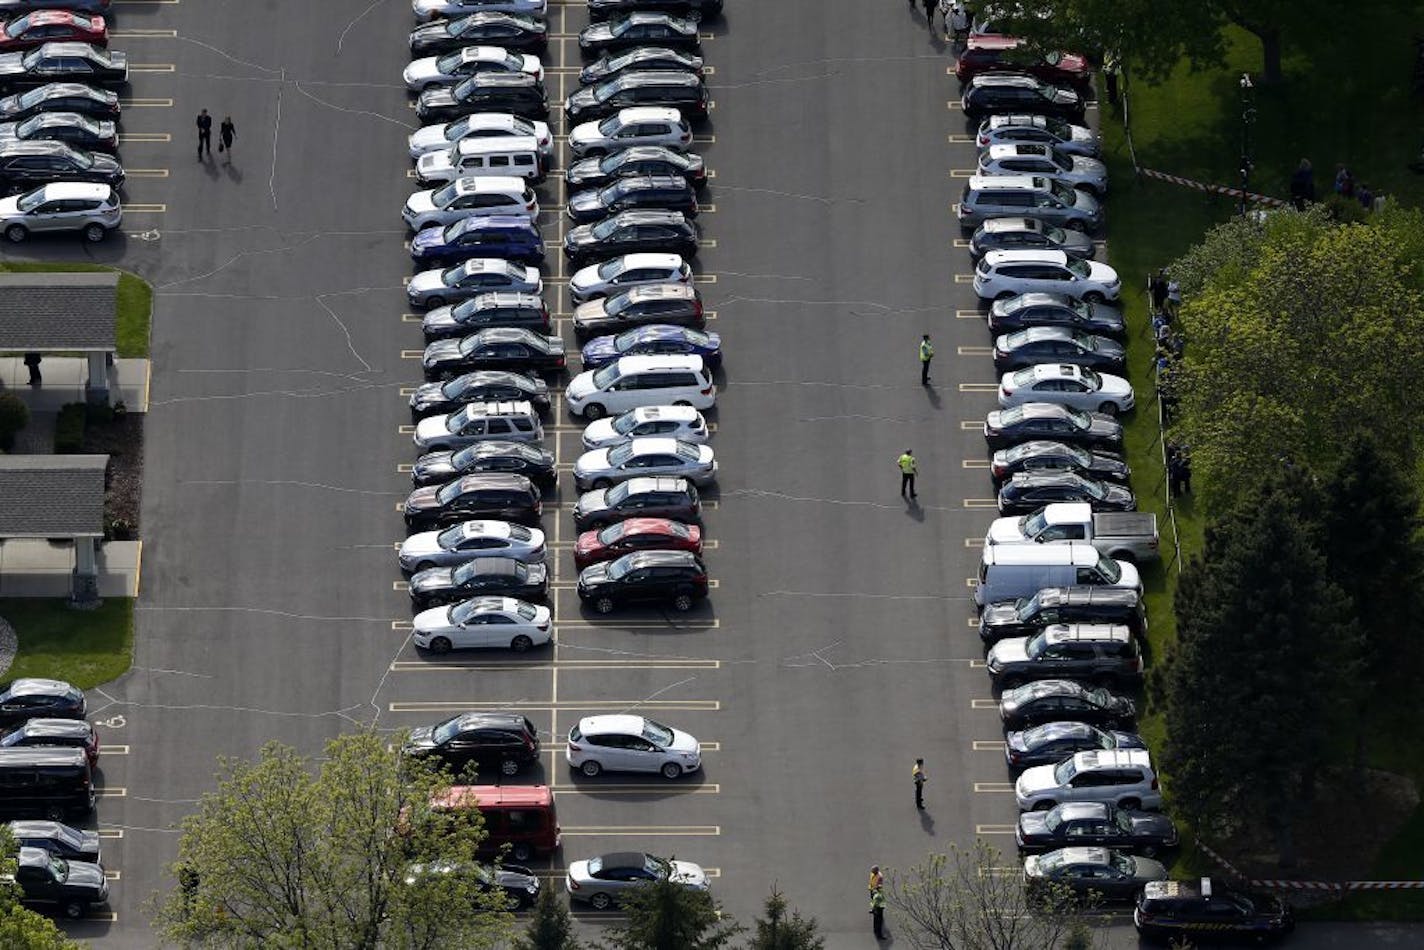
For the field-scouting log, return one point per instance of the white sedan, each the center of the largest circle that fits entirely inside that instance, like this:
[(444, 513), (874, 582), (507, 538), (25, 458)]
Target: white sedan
[(683, 423), (449, 69), (481, 125), (430, 9), (621, 743), (1066, 385), (1010, 273), (483, 623), (471, 539), (602, 468), (630, 270)]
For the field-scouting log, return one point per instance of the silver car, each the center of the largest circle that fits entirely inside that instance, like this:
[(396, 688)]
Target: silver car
[(675, 422), (479, 275), (471, 539), (450, 68), (481, 125), (474, 196), (637, 125), (629, 270), (604, 879), (601, 468), (1064, 136), (61, 206), (1031, 158)]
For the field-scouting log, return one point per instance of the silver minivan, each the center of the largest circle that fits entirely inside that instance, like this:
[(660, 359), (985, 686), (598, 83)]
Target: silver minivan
[(1032, 196), (480, 422), (61, 206), (1010, 571)]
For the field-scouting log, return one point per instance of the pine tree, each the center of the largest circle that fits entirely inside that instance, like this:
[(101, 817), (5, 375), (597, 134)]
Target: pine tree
[(550, 928), (666, 915), (777, 931)]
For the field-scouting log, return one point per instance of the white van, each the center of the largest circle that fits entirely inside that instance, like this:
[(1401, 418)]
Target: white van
[(517, 156), (635, 381), (1008, 571)]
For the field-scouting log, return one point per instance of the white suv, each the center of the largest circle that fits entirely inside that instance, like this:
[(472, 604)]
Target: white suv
[(61, 206), (677, 422), (639, 125), (1121, 777), (1010, 273), (471, 197), (630, 270), (621, 743), (481, 125), (634, 381)]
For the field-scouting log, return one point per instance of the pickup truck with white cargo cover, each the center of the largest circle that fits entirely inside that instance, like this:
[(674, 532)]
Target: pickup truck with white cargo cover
[(1123, 535)]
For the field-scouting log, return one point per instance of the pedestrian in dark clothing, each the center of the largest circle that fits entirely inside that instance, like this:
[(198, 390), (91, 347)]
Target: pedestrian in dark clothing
[(877, 913), (929, 6), (1111, 70), (32, 362), (1344, 181), (908, 469), (1366, 196), (205, 134), (1157, 287), (226, 133), (188, 884), (920, 777), (926, 355), (1184, 474), (1302, 185)]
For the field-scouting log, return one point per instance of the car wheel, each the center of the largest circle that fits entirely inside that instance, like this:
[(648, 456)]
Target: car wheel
[(671, 770), (520, 643), (1108, 408), (434, 302), (440, 645), (509, 767), (1129, 804), (1148, 851), (604, 605), (594, 410), (17, 233), (600, 901), (591, 768), (73, 910), (1044, 805), (521, 852), (682, 603), (683, 402), (601, 483)]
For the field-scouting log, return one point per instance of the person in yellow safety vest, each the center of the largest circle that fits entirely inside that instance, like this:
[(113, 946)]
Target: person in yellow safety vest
[(877, 880), (908, 468), (926, 354), (918, 774), (877, 913)]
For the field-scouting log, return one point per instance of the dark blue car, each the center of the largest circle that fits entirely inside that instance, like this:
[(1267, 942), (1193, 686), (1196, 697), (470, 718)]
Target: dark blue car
[(511, 237), (656, 339)]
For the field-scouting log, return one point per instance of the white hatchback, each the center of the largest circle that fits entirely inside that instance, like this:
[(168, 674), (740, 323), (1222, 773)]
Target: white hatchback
[(621, 743), (639, 125), (1066, 385), (481, 125), (1003, 274), (677, 422), (630, 270), (473, 197)]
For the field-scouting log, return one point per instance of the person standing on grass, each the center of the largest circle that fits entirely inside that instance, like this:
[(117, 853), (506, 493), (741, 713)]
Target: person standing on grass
[(226, 133), (1302, 185)]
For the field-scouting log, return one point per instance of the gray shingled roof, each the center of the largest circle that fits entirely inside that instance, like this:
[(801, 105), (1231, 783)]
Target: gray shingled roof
[(52, 496), (46, 311)]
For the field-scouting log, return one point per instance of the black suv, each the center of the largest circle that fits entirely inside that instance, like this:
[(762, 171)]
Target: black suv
[(23, 164), (682, 91), (505, 741), (71, 886), (483, 385), (1205, 910), (630, 232), (674, 498), (675, 304), (519, 93), (668, 192), (1028, 615), (675, 577), (498, 309), (998, 93), (34, 697), (1074, 824), (487, 495), (598, 170), (495, 455), (1097, 652), (479, 577)]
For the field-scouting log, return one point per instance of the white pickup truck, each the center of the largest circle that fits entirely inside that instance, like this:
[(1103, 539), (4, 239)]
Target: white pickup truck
[(1124, 535)]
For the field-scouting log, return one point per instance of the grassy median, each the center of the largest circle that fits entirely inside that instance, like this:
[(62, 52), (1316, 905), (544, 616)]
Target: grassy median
[(83, 647)]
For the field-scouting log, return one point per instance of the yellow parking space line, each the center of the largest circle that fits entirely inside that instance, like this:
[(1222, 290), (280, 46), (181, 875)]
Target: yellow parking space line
[(978, 387), (974, 351), (954, 208), (981, 502), (116, 792), (152, 68), (993, 788), (983, 704), (109, 916), (969, 314), (953, 104), (405, 281), (704, 140), (964, 278), (402, 625), (961, 242), (994, 829), (111, 833), (970, 425), (974, 543), (404, 469), (711, 104), (707, 243), (704, 37), (972, 622), (406, 430), (711, 173), (411, 105), (144, 209), (146, 172), (974, 463), (705, 279), (657, 831), (652, 663), (412, 354), (412, 318), (978, 664), (146, 103), (963, 172), (959, 138), (684, 705), (409, 173), (142, 34), (113, 875), (131, 138), (709, 315), (988, 745), (707, 209), (709, 70), (971, 582), (116, 750), (400, 585)]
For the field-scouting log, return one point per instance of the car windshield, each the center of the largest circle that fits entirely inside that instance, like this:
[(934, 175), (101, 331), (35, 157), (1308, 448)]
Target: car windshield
[(657, 733), (613, 192), (1123, 864), (32, 200), (1091, 378), (1053, 820), (467, 455), (620, 454), (1052, 861), (613, 532), (605, 228), (1012, 305), (18, 26), (448, 63), (1095, 489), (1027, 608), (1059, 162), (1098, 697), (1064, 193), (1079, 418), (688, 452), (449, 493), (607, 90), (451, 536), (1124, 821), (1011, 416), (617, 494), (1109, 569), (1023, 377), (620, 61), (445, 196), (1058, 127), (610, 125), (658, 866), (1064, 771), (610, 269), (1037, 646), (461, 417), (606, 377), (1079, 268), (1056, 235), (447, 730), (625, 423)]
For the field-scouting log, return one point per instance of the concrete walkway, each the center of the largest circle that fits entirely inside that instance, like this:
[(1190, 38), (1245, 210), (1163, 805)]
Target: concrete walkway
[(34, 567), (64, 378)]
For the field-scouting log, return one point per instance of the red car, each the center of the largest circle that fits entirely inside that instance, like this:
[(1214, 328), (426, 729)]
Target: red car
[(48, 26), (993, 53), (636, 534)]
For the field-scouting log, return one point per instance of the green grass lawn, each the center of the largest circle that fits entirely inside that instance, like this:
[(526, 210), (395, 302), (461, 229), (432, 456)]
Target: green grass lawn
[(83, 647), (1190, 125), (135, 303)]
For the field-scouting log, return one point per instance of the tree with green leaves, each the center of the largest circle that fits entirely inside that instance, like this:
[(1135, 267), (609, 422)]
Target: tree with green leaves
[(341, 853), (666, 915), (1264, 637), (778, 931), (551, 927)]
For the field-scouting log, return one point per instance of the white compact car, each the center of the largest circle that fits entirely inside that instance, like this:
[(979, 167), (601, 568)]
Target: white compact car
[(621, 743), (1010, 273), (1067, 385), (676, 422), (639, 125)]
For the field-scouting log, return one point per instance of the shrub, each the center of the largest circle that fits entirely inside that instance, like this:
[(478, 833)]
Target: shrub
[(14, 416), (69, 429)]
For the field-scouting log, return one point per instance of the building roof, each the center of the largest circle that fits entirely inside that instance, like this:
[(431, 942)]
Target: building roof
[(45, 311), (52, 496)]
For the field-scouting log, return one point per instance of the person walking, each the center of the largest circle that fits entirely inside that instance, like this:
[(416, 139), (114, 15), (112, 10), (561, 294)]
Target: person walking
[(957, 24), (32, 363), (929, 6), (226, 133), (908, 469), (1111, 71), (926, 354), (918, 774), (1157, 287), (205, 134), (877, 880), (1302, 185), (877, 913)]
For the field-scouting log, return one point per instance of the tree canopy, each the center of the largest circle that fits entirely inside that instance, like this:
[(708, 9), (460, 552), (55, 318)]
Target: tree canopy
[(666, 915)]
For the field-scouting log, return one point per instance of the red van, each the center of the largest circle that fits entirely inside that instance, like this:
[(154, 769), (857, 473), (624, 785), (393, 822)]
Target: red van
[(521, 816)]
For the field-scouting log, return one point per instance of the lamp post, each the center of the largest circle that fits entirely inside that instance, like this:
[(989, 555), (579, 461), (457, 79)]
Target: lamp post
[(1248, 119)]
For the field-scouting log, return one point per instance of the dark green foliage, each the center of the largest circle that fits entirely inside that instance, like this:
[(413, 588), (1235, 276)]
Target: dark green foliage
[(668, 916), (14, 416), (69, 429), (778, 931), (550, 926)]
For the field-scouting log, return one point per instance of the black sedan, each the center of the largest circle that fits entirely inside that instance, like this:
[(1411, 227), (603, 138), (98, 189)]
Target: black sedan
[(644, 191), (521, 458), (1053, 742), (1035, 345), (486, 28), (1028, 234), (640, 29), (33, 698), (511, 348), (1053, 457), (1100, 872), (1066, 700), (72, 128), (630, 232), (1027, 492), (1055, 310), (59, 839), (1045, 420), (486, 385), (1095, 823), (519, 93), (25, 164), (674, 577), (64, 62), (599, 9), (482, 576), (644, 58), (518, 884), (681, 91), (600, 170), (498, 309), (60, 97), (486, 495), (999, 93)]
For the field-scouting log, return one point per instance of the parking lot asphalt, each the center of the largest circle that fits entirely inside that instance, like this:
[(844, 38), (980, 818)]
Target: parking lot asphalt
[(836, 646)]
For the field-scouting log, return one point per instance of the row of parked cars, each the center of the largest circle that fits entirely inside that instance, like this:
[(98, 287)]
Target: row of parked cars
[(1062, 617), (477, 558)]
